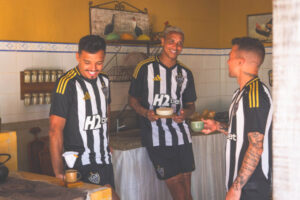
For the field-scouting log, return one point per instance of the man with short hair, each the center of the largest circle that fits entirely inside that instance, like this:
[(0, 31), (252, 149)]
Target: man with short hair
[(79, 115), (249, 134), (163, 81)]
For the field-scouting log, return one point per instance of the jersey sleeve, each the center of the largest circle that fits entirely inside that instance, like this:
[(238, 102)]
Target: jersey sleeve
[(136, 85), (61, 101), (189, 94), (256, 107)]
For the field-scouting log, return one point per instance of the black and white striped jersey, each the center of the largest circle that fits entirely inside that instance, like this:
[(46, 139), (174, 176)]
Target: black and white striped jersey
[(83, 103), (250, 111), (156, 85)]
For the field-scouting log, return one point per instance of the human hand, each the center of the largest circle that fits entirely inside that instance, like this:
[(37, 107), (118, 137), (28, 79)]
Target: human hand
[(210, 125), (151, 115), (111, 149), (233, 194), (60, 176), (179, 118)]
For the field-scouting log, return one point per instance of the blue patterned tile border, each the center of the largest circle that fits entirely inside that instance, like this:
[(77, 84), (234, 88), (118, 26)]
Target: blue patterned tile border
[(19, 46), (37, 46)]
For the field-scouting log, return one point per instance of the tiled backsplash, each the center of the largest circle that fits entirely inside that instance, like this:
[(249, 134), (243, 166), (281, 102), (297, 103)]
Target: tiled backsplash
[(213, 86)]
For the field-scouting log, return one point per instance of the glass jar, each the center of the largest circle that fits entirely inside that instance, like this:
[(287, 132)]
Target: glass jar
[(41, 76), (59, 73), (41, 98), (47, 76), (27, 98), (53, 76), (34, 98), (48, 98), (33, 76), (27, 76)]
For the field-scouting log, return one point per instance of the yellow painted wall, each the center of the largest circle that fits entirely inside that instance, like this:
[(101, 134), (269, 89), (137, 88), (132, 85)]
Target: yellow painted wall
[(68, 20), (199, 19), (233, 17), (44, 20), (206, 23)]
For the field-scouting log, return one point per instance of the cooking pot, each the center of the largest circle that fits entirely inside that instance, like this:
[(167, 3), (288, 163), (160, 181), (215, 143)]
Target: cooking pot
[(3, 169)]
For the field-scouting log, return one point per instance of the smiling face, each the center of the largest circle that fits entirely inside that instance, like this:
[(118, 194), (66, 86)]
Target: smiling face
[(172, 45), (90, 64)]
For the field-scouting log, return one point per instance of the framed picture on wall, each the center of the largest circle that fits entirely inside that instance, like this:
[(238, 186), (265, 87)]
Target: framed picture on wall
[(260, 26), (105, 21)]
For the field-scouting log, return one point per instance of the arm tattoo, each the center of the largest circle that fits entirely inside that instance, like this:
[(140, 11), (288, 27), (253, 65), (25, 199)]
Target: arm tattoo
[(251, 159)]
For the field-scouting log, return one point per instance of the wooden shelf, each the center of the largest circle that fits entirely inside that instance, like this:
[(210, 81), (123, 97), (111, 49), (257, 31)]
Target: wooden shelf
[(133, 42), (146, 43), (45, 87)]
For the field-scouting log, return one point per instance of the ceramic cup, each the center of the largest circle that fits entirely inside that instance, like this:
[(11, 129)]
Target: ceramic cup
[(72, 175), (197, 126)]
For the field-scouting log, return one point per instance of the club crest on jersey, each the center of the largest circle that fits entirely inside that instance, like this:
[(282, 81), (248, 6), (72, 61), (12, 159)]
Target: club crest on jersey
[(94, 122), (105, 91), (231, 136), (94, 178), (160, 171), (179, 79), (164, 100)]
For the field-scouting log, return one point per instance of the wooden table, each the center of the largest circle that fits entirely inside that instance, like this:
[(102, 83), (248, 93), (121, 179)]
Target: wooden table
[(94, 192)]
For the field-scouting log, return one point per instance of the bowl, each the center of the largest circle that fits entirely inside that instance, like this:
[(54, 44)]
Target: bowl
[(197, 126)]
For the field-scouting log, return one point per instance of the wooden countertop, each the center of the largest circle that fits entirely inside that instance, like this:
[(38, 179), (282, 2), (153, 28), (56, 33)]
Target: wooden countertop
[(131, 139), (94, 191)]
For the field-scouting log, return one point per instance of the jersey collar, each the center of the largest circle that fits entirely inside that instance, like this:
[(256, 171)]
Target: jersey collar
[(158, 60), (86, 79), (251, 81)]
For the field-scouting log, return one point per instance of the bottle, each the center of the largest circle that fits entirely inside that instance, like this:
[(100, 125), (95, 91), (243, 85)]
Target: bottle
[(41, 76), (26, 76), (27, 98), (47, 76), (41, 98), (34, 98), (53, 76), (33, 76), (48, 98)]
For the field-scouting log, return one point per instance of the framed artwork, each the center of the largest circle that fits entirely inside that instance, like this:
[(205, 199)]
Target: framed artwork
[(260, 26), (105, 21)]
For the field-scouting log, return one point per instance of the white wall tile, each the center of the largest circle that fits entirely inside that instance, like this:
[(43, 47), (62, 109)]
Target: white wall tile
[(43, 60), (68, 61), (9, 83), (24, 60), (8, 62), (213, 85), (208, 90), (211, 62), (267, 64), (210, 103), (223, 61)]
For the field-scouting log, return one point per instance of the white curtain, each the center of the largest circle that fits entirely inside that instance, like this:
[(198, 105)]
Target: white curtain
[(286, 72), (135, 178)]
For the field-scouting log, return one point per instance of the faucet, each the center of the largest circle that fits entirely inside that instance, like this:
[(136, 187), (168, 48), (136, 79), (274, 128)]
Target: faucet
[(119, 115), (118, 125)]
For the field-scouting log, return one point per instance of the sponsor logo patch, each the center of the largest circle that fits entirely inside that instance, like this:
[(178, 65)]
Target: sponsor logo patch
[(231, 136), (94, 122)]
